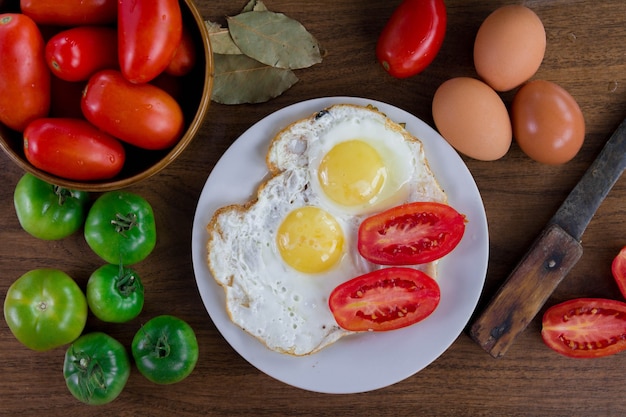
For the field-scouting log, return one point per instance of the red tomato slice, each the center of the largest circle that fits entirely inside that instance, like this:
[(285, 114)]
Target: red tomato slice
[(412, 37), (385, 299), (411, 234), (618, 267), (585, 327)]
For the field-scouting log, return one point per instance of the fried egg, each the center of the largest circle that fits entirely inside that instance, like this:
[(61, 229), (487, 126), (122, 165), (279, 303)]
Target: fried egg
[(279, 256)]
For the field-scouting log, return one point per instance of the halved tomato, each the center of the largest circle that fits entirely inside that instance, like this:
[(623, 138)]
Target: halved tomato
[(618, 267), (411, 234), (585, 327), (384, 299)]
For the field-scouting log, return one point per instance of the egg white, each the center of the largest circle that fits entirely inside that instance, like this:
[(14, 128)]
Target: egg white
[(286, 309)]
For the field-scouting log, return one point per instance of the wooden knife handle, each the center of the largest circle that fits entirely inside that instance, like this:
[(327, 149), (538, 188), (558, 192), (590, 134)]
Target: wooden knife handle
[(525, 291)]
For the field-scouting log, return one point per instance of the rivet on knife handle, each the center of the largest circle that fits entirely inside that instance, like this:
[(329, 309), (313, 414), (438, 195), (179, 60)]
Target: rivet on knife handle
[(525, 291)]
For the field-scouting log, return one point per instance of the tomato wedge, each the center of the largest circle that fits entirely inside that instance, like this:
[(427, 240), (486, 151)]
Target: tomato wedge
[(411, 234), (618, 267), (585, 327), (384, 299)]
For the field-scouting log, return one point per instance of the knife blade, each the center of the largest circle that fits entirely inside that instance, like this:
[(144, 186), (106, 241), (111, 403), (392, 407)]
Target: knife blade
[(551, 256)]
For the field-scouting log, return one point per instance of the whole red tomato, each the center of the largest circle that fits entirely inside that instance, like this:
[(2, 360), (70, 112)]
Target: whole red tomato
[(412, 37), (149, 33), (72, 148), (184, 58), (70, 12), (24, 75), (77, 53), (140, 114)]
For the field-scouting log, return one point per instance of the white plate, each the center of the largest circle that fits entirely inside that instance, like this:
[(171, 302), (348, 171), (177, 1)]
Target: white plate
[(362, 362)]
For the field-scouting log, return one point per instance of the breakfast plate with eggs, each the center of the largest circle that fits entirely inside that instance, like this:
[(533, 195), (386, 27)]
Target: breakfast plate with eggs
[(291, 178)]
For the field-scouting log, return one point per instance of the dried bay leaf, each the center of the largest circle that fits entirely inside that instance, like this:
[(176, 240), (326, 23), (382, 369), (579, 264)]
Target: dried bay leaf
[(240, 79), (221, 41), (254, 6), (274, 39)]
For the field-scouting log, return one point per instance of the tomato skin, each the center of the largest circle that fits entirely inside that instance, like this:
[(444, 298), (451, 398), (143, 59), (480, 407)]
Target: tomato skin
[(411, 234), (77, 53), (45, 309), (96, 368), (412, 37), (73, 148), (396, 296), (70, 12), (120, 228), (184, 57), (149, 33), (115, 293), (618, 269), (165, 349), (24, 75), (585, 327), (140, 114), (47, 211)]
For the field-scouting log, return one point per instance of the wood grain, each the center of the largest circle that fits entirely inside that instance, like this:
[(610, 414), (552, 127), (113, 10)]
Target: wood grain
[(585, 54)]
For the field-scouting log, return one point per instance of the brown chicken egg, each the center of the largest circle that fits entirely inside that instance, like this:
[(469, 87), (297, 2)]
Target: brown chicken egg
[(472, 117), (548, 124), (509, 47)]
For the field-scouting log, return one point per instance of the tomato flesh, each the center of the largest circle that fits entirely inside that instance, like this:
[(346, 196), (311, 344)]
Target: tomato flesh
[(412, 37), (384, 299), (585, 327), (618, 268), (411, 234)]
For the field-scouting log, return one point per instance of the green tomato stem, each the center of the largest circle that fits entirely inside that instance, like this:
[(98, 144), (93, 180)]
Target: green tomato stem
[(91, 375), (126, 282), (124, 223)]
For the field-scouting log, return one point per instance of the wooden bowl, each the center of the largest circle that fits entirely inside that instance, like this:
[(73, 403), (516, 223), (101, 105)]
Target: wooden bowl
[(142, 164)]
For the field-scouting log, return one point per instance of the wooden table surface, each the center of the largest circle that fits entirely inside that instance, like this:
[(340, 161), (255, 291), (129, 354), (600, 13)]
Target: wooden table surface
[(585, 54)]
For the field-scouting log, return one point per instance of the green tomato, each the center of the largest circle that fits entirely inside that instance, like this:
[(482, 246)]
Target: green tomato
[(45, 309), (96, 368), (120, 228), (115, 294), (165, 349), (48, 211)]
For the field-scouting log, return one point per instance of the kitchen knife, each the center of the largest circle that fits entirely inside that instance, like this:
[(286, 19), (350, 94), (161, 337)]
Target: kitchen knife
[(552, 255)]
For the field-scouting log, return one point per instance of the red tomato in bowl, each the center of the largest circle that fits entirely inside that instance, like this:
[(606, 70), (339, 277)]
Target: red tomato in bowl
[(618, 268), (410, 234), (77, 53), (70, 12), (184, 58), (72, 148), (140, 114), (412, 37), (24, 75), (149, 33), (585, 327), (385, 299)]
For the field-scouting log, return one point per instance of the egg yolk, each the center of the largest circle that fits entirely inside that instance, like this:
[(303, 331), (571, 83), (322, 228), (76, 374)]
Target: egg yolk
[(310, 240), (352, 173)]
